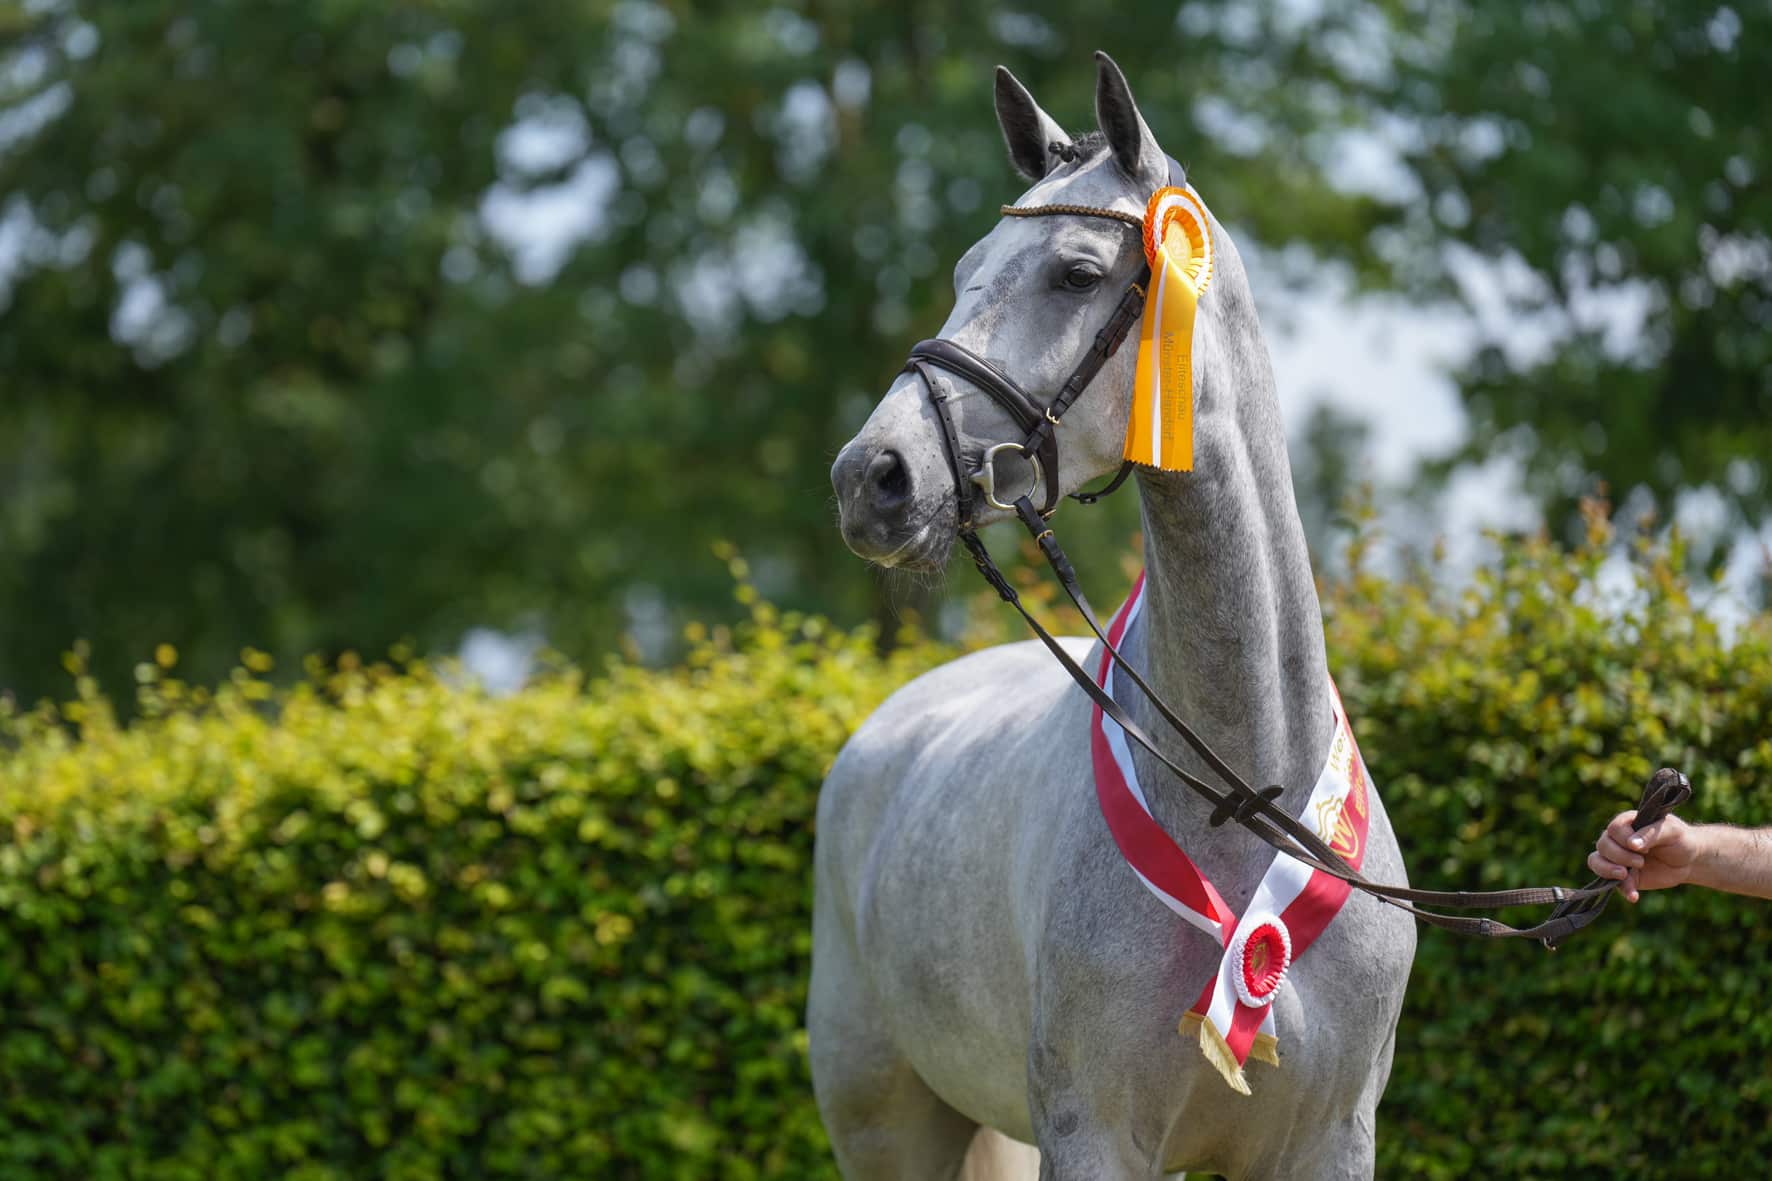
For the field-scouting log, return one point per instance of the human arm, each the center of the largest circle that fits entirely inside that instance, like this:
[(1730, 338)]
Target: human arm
[(1671, 852)]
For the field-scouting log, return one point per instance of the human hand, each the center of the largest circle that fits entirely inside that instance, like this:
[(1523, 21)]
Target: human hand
[(1659, 856)]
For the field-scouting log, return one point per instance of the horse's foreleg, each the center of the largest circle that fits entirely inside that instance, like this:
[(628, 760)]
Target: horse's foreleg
[(1078, 1141), (1344, 1151), (1083, 1150), (884, 1122)]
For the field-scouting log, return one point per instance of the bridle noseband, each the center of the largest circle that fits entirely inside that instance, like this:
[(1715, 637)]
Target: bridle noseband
[(1254, 810)]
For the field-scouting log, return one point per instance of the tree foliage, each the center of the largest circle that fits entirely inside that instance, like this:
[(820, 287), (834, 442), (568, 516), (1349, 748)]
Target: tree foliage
[(1609, 163), (324, 325), (327, 324)]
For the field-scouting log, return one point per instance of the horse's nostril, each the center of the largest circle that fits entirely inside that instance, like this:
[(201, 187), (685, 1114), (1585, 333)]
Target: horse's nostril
[(889, 481)]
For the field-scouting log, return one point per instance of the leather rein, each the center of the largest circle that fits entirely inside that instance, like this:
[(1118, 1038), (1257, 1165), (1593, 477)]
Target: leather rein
[(1255, 810)]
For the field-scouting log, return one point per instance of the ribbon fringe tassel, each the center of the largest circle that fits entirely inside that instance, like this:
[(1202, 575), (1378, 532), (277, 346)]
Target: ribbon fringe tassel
[(1217, 1051)]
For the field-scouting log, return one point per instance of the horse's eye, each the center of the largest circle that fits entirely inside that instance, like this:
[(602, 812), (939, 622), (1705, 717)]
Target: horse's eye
[(1080, 278)]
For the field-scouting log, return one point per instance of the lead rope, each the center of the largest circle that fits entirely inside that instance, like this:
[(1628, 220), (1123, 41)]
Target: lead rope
[(1256, 810)]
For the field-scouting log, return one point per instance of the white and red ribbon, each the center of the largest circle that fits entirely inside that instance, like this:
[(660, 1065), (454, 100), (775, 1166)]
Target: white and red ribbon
[(1291, 906)]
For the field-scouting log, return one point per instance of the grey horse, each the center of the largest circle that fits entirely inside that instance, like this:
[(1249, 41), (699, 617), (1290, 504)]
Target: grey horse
[(987, 971)]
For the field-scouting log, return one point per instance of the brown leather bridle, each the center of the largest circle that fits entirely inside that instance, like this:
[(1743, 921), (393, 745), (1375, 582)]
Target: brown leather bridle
[(1039, 446), (1254, 810)]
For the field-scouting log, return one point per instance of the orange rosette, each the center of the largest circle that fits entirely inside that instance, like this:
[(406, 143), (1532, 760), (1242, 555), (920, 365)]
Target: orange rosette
[(1175, 220)]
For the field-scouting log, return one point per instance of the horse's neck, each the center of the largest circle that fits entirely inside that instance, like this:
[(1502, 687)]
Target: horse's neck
[(1231, 634)]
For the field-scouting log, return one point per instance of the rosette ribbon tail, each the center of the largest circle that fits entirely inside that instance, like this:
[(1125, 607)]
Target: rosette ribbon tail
[(1217, 1050)]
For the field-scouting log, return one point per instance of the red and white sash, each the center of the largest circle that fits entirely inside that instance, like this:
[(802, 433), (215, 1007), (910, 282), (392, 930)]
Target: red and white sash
[(1291, 906)]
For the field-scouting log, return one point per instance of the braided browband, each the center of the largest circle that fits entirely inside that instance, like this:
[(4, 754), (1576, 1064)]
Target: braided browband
[(1131, 219)]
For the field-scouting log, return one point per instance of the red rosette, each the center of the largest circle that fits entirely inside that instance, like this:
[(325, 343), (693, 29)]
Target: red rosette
[(1260, 955)]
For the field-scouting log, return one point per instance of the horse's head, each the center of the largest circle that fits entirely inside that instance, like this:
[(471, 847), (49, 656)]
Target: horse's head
[(1030, 297)]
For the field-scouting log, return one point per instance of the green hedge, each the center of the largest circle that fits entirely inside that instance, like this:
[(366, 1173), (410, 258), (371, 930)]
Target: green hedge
[(379, 925), (396, 929), (1503, 728)]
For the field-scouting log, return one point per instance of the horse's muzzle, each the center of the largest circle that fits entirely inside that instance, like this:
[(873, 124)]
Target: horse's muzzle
[(877, 504)]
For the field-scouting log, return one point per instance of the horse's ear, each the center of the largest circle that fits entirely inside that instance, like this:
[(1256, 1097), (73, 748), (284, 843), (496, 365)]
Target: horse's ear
[(1135, 148), (1029, 131)]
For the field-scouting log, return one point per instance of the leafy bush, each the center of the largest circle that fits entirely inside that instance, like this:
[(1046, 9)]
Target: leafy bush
[(383, 925), (1503, 729)]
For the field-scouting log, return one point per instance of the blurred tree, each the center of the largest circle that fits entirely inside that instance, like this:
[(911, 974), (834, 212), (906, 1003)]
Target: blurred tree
[(327, 324), (1611, 161), (1331, 467)]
